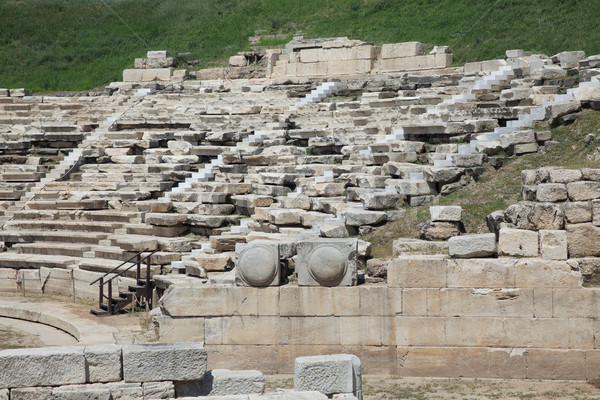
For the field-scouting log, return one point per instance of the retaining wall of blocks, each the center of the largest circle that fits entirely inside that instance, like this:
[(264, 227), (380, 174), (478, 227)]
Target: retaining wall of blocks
[(102, 371), (485, 318)]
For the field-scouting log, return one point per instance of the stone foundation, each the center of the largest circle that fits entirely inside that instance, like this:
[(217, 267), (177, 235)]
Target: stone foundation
[(486, 318)]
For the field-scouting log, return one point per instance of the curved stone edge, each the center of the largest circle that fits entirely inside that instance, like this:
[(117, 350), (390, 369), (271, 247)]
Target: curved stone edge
[(85, 331)]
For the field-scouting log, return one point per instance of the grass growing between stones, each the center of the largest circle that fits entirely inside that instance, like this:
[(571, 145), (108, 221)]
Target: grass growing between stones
[(497, 189), (50, 45)]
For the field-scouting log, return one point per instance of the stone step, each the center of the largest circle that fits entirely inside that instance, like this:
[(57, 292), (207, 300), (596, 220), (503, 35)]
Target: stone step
[(56, 225), (20, 260), (28, 236), (106, 265), (54, 249), (78, 215)]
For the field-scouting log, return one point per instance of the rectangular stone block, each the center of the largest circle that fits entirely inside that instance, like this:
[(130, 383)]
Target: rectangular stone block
[(8, 280), (480, 302), (474, 362), (268, 301), (327, 262), (158, 390), (310, 331), (49, 366), (417, 272), (414, 302), (346, 301), (29, 281), (311, 69), (338, 373), (205, 301), (535, 272), (508, 363), (156, 74), (103, 363), (398, 50), (481, 273), (420, 331), (246, 330), (570, 303), (582, 333), (365, 331), (542, 302), (518, 242), (472, 68), (555, 364), (173, 330), (375, 300), (57, 281), (474, 331), (132, 75), (30, 393), (312, 55), (429, 361), (553, 244), (297, 301), (164, 362)]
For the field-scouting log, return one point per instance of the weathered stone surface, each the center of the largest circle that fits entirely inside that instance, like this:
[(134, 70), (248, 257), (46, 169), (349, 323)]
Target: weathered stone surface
[(535, 216), (446, 213), (224, 382), (338, 373), (257, 263), (583, 190), (50, 366), (582, 240), (471, 246), (440, 230), (103, 363), (551, 192), (333, 229), (377, 268), (565, 175), (30, 393), (553, 245), (215, 262), (158, 390), (417, 272), (380, 200), (577, 212), (327, 262), (164, 362), (359, 217), (536, 272), (284, 216), (518, 242), (402, 246)]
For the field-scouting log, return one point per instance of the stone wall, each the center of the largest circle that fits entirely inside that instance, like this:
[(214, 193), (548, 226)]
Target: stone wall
[(343, 57), (486, 318), (103, 372)]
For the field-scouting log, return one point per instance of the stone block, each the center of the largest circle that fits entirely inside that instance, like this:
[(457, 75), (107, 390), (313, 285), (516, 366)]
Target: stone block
[(414, 302), (555, 364), (518, 242), (242, 330), (429, 361), (8, 280), (472, 246), (508, 363), (215, 262), (132, 75), (103, 363), (568, 59), (473, 68), (173, 330), (330, 262), (406, 246), (398, 50), (257, 264), (420, 331), (535, 216), (49, 366), (535, 272), (486, 302), (446, 213), (224, 382), (29, 281), (309, 331), (553, 245), (337, 373), (164, 362), (209, 300), (365, 331), (596, 212), (31, 393), (583, 190), (481, 273), (158, 390), (417, 272), (552, 192), (582, 240), (299, 301), (577, 212), (359, 217), (237, 61)]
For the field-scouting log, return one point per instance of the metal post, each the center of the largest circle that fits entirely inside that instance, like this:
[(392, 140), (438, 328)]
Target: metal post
[(138, 269), (148, 287), (101, 296), (110, 304)]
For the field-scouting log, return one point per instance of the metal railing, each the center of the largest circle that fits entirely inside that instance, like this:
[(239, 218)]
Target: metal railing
[(138, 264)]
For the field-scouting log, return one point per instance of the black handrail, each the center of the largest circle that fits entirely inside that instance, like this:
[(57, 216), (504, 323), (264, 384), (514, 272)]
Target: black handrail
[(125, 270)]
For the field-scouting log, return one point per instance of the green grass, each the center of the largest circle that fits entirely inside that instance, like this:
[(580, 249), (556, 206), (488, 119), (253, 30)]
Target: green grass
[(496, 189), (51, 45)]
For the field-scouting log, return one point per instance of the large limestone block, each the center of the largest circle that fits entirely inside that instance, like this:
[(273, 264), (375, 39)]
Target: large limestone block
[(577, 212), (49, 366), (215, 262), (103, 363), (481, 273), (535, 216), (257, 263), (583, 190), (553, 245), (552, 192), (582, 240), (472, 246), (8, 280), (446, 213), (569, 59), (238, 61), (481, 302), (417, 272), (328, 262), (209, 301), (158, 390), (518, 242), (404, 246), (164, 362), (398, 50), (31, 393), (536, 272), (440, 230), (359, 217), (224, 382), (337, 373)]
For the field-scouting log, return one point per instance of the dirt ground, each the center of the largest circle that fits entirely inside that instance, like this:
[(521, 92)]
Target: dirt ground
[(393, 387)]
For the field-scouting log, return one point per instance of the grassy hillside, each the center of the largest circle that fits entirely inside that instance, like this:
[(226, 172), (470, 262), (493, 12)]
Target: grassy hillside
[(80, 44)]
